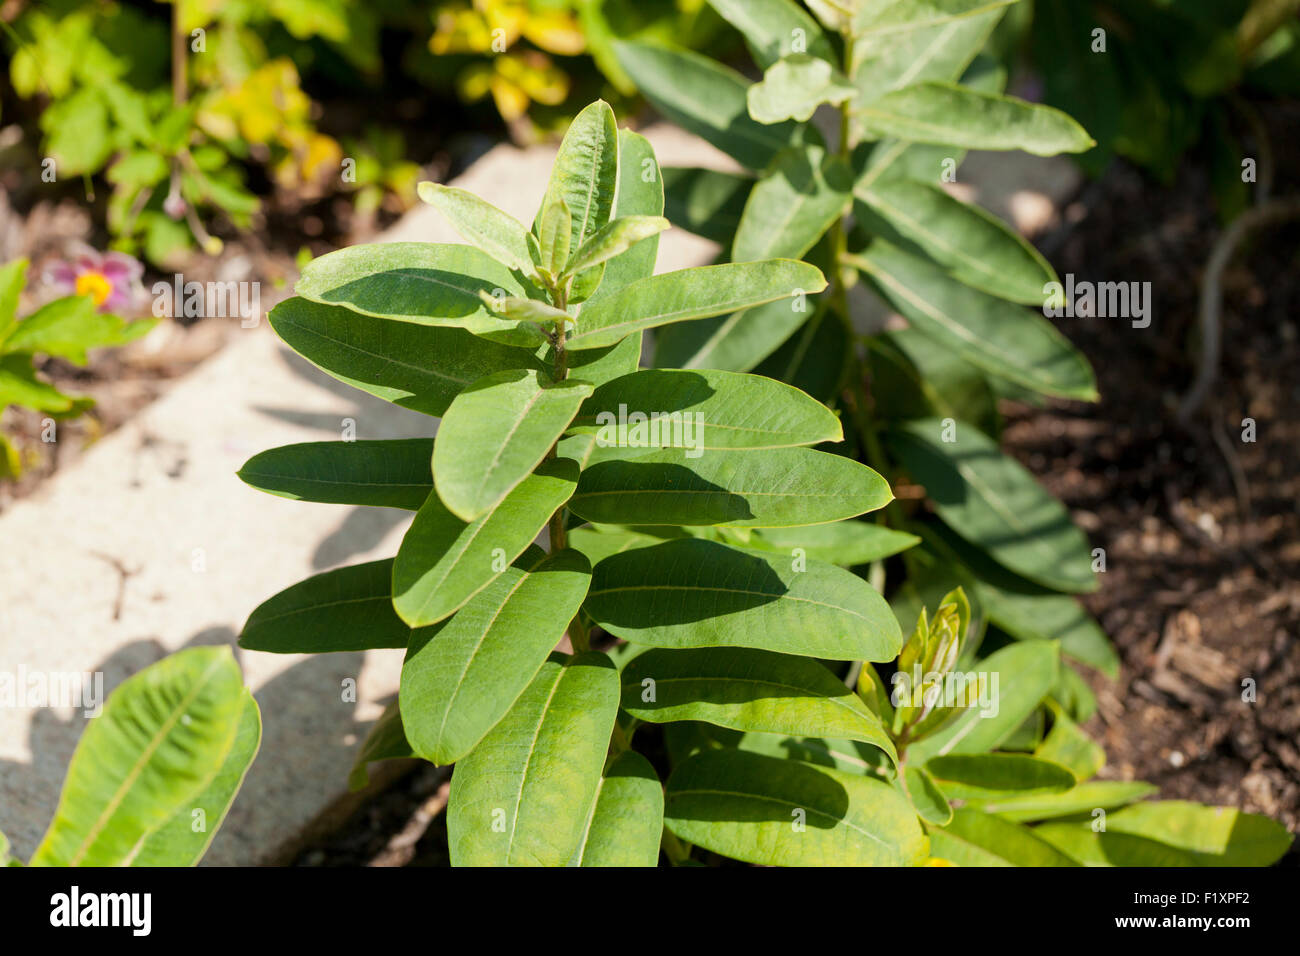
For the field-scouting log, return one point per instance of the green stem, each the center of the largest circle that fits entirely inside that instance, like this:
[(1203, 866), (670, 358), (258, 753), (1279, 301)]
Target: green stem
[(676, 851)]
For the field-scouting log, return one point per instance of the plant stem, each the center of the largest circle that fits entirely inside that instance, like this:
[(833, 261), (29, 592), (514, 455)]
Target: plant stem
[(676, 851)]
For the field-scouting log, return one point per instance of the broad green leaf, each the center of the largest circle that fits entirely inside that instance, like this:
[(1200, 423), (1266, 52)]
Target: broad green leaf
[(598, 366), (522, 798), (1015, 680), (479, 222), (705, 201), (786, 813), (973, 838), (774, 488), (386, 741), (1085, 798), (694, 294), (347, 609), (990, 776), (793, 88), (555, 232), (736, 343), (1074, 695), (912, 50), (772, 27), (1067, 745), (525, 310), (893, 17), (386, 474), (915, 376), (974, 246), (585, 173), (66, 328), (460, 681), (1004, 339), (627, 816), (849, 756), (495, 433), (614, 238), (424, 283), (793, 204), (444, 561), (705, 98), (695, 593), (640, 193), (162, 737), (993, 502), (728, 409), (746, 689), (947, 114), (183, 839), (1172, 833), (930, 803), (418, 367)]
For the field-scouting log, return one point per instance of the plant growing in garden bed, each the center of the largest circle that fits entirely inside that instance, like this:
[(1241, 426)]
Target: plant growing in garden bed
[(688, 514), (66, 328)]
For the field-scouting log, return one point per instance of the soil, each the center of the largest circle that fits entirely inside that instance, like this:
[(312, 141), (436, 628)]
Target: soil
[(1201, 529)]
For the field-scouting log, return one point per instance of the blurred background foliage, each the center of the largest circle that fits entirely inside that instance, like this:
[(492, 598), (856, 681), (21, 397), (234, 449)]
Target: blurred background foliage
[(293, 101)]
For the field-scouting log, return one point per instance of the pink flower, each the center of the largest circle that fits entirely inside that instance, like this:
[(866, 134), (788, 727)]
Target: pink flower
[(111, 279)]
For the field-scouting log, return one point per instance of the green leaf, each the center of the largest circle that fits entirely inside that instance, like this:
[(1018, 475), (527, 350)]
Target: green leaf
[(793, 88), (1070, 747), (615, 238), (598, 542), (347, 609), (705, 201), (694, 294), (444, 561), (495, 433), (415, 366), (695, 593), (904, 16), (1015, 680), (746, 689), (785, 813), (459, 682), (705, 98), (1004, 339), (797, 199), (598, 366), (991, 776), (523, 797), (479, 222), (730, 410), (1172, 833), (13, 276), (846, 543), (1086, 797), (183, 839), (162, 737), (627, 817), (777, 487), (555, 232), (386, 741), (736, 343), (424, 283), (772, 27), (20, 386), (585, 173), (973, 838), (975, 247), (898, 50), (993, 502), (385, 474), (930, 803), (67, 327), (814, 359), (947, 114), (640, 193)]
